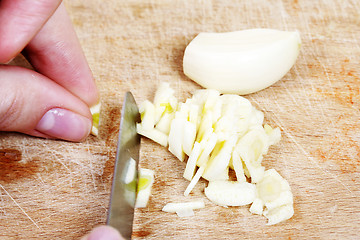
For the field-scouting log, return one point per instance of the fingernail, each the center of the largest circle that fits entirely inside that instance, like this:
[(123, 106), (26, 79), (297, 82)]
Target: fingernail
[(104, 233), (64, 124)]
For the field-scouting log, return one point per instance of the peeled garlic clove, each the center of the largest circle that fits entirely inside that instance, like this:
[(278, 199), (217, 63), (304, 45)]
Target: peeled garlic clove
[(241, 62)]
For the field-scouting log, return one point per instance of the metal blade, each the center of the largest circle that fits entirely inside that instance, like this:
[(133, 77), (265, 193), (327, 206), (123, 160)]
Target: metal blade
[(123, 193)]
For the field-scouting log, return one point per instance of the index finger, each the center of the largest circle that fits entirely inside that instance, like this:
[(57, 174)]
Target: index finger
[(20, 21), (56, 52)]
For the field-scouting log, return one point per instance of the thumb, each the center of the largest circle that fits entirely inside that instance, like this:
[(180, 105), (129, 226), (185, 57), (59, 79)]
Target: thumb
[(103, 233), (33, 104)]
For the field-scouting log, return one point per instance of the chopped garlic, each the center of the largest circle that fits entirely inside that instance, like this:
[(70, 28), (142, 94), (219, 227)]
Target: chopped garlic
[(251, 149), (145, 182), (164, 123), (274, 191), (95, 112), (214, 133), (257, 207), (230, 193), (182, 207), (164, 101), (195, 179), (238, 166), (191, 163), (185, 213), (147, 112), (153, 134), (176, 137), (219, 159)]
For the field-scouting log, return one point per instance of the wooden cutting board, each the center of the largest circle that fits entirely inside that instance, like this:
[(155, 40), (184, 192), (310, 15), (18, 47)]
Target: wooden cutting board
[(60, 190)]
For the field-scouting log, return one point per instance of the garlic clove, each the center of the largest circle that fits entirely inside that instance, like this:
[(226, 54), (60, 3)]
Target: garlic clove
[(241, 62)]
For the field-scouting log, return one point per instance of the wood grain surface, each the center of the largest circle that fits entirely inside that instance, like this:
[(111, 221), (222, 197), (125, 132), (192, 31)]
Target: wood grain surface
[(60, 190)]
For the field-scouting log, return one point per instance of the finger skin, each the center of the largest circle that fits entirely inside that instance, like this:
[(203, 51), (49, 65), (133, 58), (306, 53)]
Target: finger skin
[(25, 96), (103, 233), (20, 21), (56, 53)]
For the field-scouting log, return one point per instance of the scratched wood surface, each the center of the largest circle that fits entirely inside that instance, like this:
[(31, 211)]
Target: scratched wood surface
[(60, 190)]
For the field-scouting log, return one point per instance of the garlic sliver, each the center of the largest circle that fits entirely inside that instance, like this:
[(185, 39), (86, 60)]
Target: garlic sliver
[(208, 148), (279, 214), (251, 148), (95, 112), (238, 166), (147, 112), (177, 207), (189, 135), (230, 193), (194, 181), (145, 182), (164, 100), (191, 162), (219, 159), (274, 191), (241, 62), (257, 207), (164, 123), (153, 134), (176, 137), (185, 213)]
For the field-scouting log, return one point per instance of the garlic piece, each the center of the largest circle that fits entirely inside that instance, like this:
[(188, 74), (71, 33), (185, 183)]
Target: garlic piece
[(153, 134), (145, 182), (95, 112), (241, 62), (182, 207), (164, 100), (251, 148), (219, 160), (191, 162), (147, 113), (230, 193), (275, 193)]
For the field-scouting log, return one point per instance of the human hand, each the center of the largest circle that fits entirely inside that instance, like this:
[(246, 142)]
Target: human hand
[(103, 233), (52, 101)]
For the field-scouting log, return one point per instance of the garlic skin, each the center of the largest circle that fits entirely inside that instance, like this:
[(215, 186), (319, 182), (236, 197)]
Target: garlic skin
[(241, 62)]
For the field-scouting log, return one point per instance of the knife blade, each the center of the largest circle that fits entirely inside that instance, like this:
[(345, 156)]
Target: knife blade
[(123, 193)]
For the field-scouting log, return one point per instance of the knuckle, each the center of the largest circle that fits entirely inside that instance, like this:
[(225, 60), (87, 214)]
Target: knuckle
[(10, 106)]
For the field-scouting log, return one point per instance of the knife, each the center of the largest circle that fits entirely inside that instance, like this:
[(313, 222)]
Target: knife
[(124, 185)]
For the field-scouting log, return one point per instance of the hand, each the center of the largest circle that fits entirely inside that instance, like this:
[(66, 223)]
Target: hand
[(52, 101), (103, 233)]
